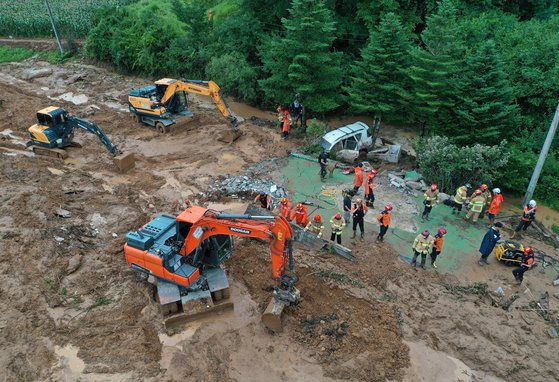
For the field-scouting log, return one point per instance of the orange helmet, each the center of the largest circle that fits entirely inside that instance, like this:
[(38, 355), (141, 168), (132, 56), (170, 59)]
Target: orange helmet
[(529, 250), (388, 207), (358, 201), (317, 218), (299, 206), (441, 231), (477, 192), (484, 187), (283, 200), (433, 187), (286, 112), (373, 171), (280, 108), (338, 216)]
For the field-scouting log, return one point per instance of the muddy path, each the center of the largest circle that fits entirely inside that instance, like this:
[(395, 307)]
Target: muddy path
[(72, 310)]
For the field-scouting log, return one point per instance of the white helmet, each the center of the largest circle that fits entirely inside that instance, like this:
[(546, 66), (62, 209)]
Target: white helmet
[(532, 203), (496, 190)]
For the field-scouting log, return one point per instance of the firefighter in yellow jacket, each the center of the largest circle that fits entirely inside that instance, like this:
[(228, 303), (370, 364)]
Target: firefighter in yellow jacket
[(431, 200), (316, 226), (421, 247), (460, 197), (477, 202)]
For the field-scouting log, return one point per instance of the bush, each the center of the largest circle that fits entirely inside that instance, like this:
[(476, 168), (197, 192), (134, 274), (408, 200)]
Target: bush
[(316, 129), (233, 73), (8, 54), (450, 165)]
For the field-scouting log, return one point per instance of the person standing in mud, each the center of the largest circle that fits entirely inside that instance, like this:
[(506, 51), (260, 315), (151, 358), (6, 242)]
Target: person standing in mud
[(280, 117), (286, 124), (297, 110), (347, 205), (384, 219), (421, 247), (490, 240), (323, 162), (359, 210)]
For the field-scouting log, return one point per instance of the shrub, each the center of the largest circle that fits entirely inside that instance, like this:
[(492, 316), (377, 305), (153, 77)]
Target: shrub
[(450, 165), (234, 74), (8, 54), (316, 129)]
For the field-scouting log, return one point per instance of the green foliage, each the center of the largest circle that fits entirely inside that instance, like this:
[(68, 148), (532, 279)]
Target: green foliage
[(486, 110), (234, 74), (301, 61), (30, 18), (8, 54), (450, 165), (435, 69), (316, 129), (379, 84)]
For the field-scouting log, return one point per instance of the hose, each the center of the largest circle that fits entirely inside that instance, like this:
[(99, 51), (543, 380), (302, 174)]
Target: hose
[(328, 195)]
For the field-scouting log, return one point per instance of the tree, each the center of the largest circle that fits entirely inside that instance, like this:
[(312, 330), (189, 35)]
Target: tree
[(486, 108), (301, 60), (379, 84), (435, 69)]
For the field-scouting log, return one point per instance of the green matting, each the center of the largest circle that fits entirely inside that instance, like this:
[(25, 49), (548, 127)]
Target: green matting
[(461, 243)]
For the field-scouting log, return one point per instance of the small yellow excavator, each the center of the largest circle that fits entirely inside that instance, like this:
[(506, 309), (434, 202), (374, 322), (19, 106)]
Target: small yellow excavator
[(164, 103), (55, 130)]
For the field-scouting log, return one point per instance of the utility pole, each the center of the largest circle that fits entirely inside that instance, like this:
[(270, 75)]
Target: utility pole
[(54, 28), (541, 159)]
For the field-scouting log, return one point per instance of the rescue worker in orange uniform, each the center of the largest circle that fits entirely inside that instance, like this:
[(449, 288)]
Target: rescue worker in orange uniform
[(437, 246), (384, 219), (527, 263), (315, 226), (265, 200), (300, 215), (495, 206), (285, 208), (286, 123), (528, 215), (358, 178), (369, 188)]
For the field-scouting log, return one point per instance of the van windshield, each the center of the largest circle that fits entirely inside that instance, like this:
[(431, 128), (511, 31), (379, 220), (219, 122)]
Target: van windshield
[(327, 146)]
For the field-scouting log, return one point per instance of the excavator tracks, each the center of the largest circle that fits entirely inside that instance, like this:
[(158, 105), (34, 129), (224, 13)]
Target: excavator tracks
[(53, 153)]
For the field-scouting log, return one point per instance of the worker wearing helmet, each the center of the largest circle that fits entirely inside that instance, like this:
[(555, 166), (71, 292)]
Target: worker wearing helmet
[(528, 215), (431, 200), (369, 188), (525, 265), (495, 205), (486, 193), (358, 177), (264, 199), (300, 215), (422, 246), (337, 223), (286, 124), (285, 208), (315, 226), (280, 116), (477, 201), (438, 242), (358, 213), (491, 238), (384, 219), (460, 197)]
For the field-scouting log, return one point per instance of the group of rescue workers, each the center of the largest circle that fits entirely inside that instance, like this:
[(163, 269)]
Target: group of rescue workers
[(480, 202), (289, 116)]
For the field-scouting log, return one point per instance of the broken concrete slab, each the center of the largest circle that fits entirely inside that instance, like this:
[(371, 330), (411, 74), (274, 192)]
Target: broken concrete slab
[(30, 74), (62, 213)]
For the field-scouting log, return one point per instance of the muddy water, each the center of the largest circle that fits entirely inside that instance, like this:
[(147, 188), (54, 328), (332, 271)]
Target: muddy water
[(546, 215)]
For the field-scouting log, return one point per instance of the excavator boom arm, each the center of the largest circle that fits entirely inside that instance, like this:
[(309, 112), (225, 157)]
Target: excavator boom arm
[(206, 88), (94, 129)]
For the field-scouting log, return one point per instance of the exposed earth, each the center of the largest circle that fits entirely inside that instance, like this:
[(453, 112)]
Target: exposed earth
[(72, 310)]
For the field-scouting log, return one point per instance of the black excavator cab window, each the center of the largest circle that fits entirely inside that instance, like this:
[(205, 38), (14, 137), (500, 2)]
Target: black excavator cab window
[(45, 119), (183, 228)]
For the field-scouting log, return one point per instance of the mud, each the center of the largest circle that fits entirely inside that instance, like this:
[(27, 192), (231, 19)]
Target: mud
[(72, 310)]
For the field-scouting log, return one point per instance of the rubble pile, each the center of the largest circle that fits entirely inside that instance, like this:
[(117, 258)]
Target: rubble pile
[(243, 186), (411, 182)]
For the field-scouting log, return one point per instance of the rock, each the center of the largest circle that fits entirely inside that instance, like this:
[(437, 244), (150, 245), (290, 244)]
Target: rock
[(500, 292), (552, 332), (59, 239), (62, 213), (414, 185), (443, 197), (30, 74), (74, 264)]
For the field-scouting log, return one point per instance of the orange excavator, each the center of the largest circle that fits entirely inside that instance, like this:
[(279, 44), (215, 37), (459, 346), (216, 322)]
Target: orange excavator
[(183, 257)]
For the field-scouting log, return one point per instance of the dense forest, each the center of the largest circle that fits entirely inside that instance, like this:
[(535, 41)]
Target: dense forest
[(475, 77)]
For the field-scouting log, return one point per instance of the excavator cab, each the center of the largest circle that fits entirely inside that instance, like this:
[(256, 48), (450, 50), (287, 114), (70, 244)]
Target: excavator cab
[(51, 130)]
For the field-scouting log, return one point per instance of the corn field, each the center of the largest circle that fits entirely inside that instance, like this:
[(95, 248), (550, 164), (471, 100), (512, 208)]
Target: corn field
[(29, 18)]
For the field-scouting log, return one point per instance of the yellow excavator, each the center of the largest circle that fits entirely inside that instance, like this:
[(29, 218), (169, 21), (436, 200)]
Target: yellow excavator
[(55, 129), (164, 103)]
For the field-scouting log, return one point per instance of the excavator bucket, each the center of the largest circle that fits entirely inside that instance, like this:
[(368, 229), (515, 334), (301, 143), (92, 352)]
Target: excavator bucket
[(124, 162), (229, 136), (272, 316)]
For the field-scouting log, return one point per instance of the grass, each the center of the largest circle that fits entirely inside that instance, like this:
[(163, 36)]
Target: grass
[(555, 228), (8, 54)]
